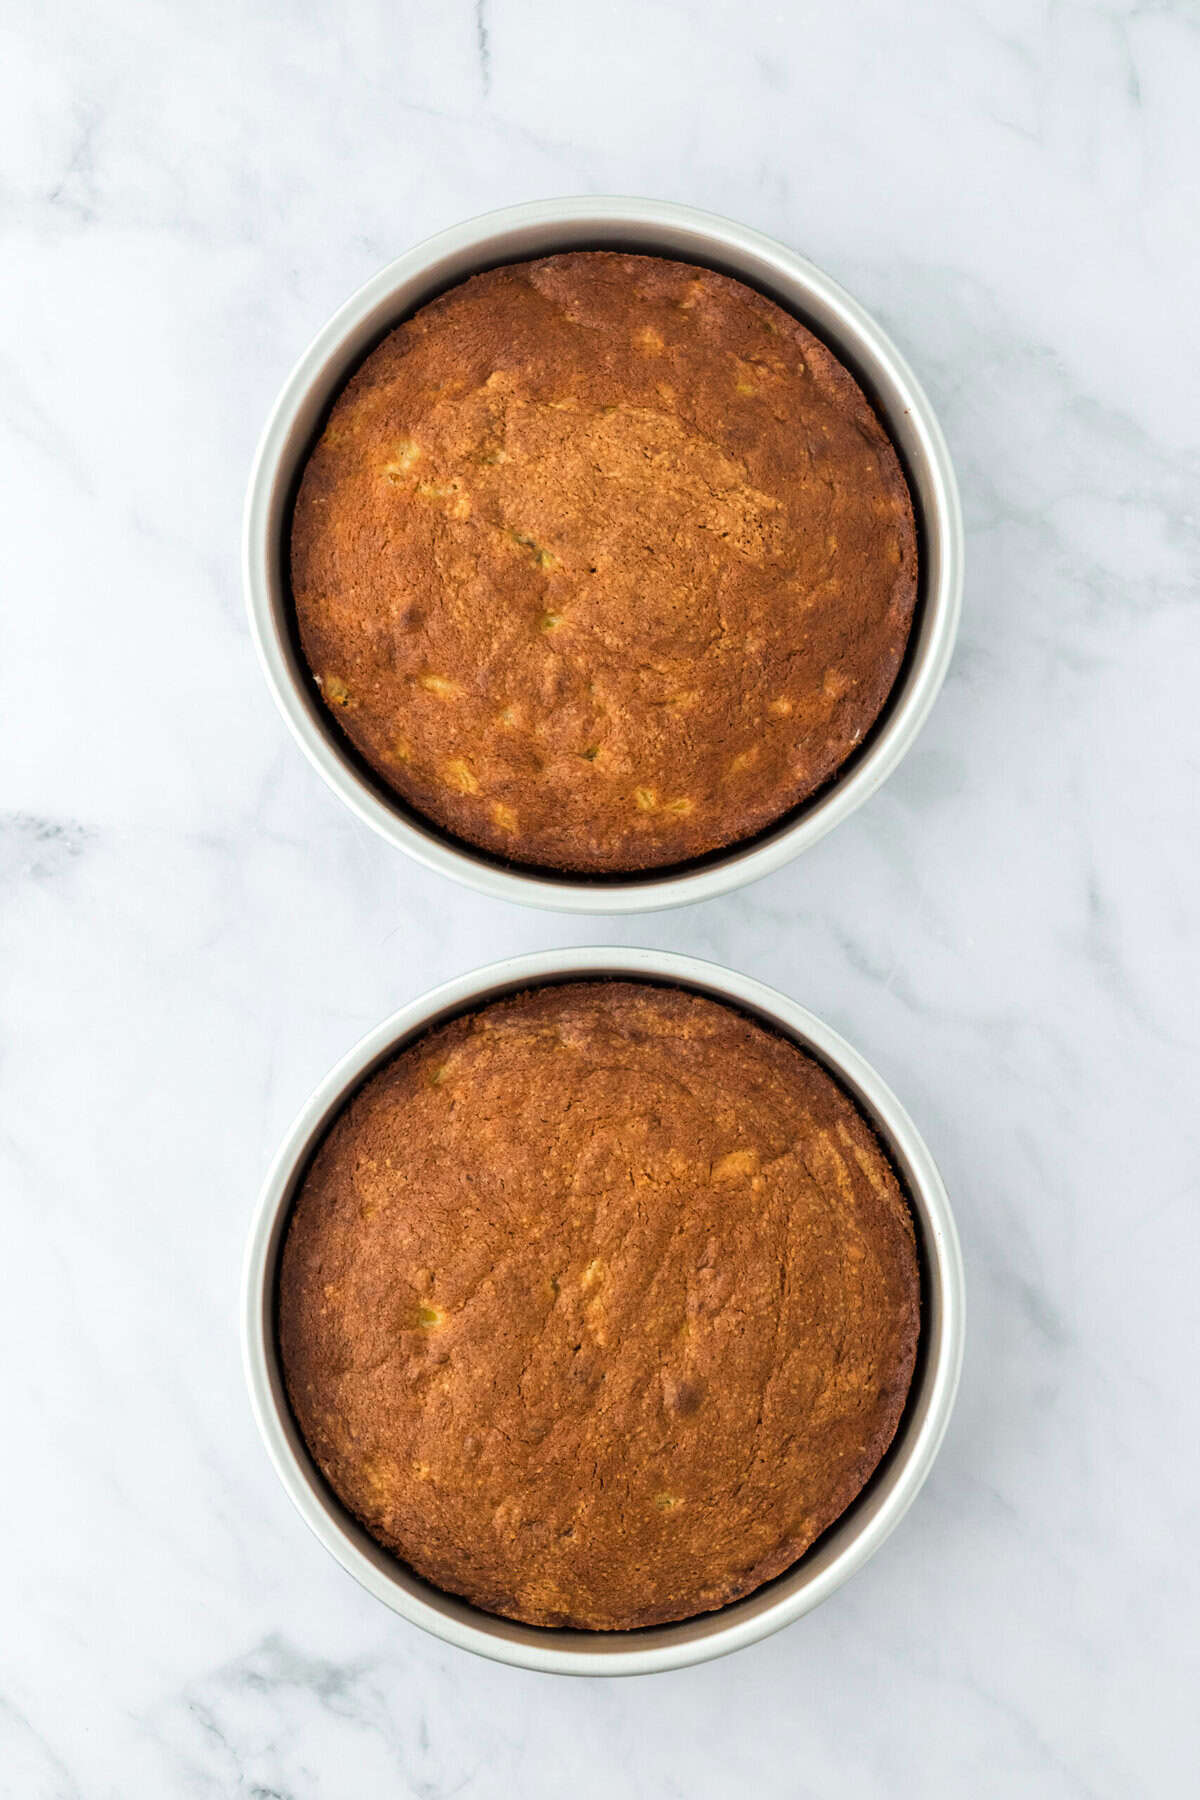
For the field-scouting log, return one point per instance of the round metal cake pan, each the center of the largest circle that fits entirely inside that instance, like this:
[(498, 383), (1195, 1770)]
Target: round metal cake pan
[(656, 228), (845, 1547)]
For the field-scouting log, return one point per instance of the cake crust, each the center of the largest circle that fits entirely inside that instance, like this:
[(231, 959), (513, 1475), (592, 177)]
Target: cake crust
[(598, 1306), (603, 562)]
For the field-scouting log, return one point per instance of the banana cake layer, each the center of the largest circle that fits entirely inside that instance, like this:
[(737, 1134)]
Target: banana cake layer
[(603, 562), (598, 1306)]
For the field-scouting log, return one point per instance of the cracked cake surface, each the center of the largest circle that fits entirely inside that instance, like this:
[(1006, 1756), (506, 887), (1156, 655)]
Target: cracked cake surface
[(599, 1305), (603, 562)]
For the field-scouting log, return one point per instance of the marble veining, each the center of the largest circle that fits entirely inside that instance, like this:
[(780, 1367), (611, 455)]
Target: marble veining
[(193, 928)]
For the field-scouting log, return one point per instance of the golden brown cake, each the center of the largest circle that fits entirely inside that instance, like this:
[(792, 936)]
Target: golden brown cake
[(603, 562), (600, 1305)]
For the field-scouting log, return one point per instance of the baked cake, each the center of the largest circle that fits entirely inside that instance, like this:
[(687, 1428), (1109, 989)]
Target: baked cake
[(599, 1306), (603, 562)]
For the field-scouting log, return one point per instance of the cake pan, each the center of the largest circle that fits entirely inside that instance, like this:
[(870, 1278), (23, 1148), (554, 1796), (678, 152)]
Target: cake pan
[(656, 228), (845, 1547)]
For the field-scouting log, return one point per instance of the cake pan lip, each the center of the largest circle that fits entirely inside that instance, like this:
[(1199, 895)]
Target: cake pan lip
[(658, 227), (844, 1548)]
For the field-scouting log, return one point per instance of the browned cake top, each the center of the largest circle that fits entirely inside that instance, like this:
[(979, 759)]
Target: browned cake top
[(599, 1306), (603, 562)]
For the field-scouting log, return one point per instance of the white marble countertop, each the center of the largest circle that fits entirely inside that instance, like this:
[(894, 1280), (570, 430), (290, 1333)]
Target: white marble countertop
[(193, 928)]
